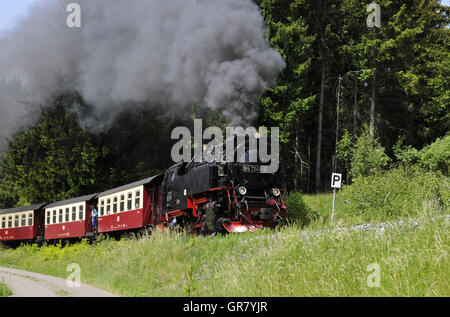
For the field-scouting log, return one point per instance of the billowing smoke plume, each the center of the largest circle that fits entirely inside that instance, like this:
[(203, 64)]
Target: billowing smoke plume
[(166, 52)]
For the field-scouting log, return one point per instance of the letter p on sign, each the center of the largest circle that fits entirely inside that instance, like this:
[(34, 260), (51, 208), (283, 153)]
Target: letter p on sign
[(336, 180)]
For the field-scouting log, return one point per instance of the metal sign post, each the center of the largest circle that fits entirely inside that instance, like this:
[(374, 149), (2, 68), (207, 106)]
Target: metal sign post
[(336, 181)]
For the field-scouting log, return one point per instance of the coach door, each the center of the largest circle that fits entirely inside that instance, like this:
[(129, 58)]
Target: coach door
[(170, 189)]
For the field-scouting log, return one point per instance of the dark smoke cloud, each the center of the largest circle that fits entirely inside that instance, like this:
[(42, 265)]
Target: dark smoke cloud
[(166, 52)]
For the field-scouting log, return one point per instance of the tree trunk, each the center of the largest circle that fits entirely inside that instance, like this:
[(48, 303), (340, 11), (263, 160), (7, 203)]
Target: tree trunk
[(372, 107), (355, 109), (296, 161), (319, 128)]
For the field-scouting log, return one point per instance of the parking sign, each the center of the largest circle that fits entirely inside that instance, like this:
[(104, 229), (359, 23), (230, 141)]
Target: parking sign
[(336, 180)]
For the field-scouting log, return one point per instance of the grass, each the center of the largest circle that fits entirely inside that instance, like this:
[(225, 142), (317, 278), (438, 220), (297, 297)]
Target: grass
[(411, 262), (4, 290), (323, 203)]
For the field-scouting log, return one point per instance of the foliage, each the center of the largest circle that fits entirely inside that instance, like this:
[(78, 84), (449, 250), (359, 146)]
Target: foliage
[(8, 195), (409, 56), (298, 211), (53, 160), (406, 155), (434, 157), (4, 290), (400, 192), (368, 156)]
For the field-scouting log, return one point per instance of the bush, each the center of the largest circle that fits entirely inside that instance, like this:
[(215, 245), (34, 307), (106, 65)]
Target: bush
[(434, 157), (368, 157), (298, 211), (400, 192)]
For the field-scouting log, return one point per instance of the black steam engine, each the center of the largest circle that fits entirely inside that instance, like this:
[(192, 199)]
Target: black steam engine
[(210, 197)]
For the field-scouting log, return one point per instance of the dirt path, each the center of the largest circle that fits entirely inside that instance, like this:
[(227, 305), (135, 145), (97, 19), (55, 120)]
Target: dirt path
[(29, 284)]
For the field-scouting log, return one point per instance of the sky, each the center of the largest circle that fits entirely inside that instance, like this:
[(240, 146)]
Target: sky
[(12, 10)]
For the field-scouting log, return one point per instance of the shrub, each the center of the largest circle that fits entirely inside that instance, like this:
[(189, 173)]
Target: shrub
[(406, 155), (298, 211), (368, 157), (436, 156), (400, 192)]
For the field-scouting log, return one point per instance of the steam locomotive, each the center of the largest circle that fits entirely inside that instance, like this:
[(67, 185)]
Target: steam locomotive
[(201, 197)]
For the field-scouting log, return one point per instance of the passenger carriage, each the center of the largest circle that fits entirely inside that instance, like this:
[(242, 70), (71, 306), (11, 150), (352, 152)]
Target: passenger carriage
[(69, 218), (131, 206), (23, 223)]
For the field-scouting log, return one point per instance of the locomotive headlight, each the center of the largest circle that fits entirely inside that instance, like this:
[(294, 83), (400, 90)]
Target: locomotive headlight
[(221, 171), (242, 190), (276, 192)]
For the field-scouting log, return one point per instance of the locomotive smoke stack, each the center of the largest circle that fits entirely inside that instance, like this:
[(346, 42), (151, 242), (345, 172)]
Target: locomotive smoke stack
[(178, 52)]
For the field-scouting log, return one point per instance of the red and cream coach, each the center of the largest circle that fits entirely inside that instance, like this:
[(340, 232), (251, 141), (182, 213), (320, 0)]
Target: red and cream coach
[(23, 223), (130, 206), (69, 218)]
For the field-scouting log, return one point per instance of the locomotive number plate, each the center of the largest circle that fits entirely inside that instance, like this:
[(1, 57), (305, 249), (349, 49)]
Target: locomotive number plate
[(251, 169)]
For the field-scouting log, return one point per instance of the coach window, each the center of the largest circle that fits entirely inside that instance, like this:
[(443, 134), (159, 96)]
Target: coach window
[(115, 205), (122, 203), (48, 217), (3, 222), (130, 201), (60, 214), (16, 221), (81, 213), (137, 201), (74, 213), (54, 216), (102, 207), (10, 222), (108, 206), (23, 221), (30, 219)]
